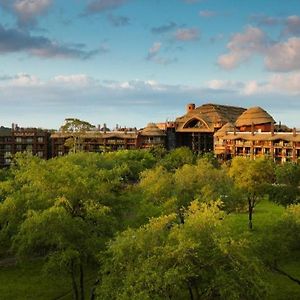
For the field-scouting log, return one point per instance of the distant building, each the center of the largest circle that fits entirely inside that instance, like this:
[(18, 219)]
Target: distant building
[(197, 127), (16, 139), (253, 135), (228, 131), (105, 140)]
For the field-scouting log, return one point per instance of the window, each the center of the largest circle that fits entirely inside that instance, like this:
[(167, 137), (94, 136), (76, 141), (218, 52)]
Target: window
[(7, 154), (40, 154), (40, 139), (18, 140), (29, 140)]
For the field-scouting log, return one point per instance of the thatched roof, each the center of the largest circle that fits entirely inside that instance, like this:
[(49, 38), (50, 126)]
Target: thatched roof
[(152, 130), (254, 115), (228, 127), (213, 116)]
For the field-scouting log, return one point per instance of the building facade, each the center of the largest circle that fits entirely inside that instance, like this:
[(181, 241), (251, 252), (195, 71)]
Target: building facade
[(227, 131), (17, 139), (254, 134)]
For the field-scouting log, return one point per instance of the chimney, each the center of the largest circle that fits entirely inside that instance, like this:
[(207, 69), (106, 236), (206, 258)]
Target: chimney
[(12, 126), (294, 131), (99, 127), (104, 128), (190, 107)]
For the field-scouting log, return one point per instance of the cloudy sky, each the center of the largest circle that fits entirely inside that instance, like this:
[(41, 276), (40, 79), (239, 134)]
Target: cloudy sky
[(134, 61)]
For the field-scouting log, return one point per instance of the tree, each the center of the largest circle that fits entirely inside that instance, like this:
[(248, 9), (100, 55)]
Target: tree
[(76, 129), (281, 240), (286, 190), (177, 158), (168, 260), (63, 210), (252, 178)]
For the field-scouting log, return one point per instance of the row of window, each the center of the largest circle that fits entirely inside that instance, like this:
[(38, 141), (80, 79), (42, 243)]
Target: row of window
[(18, 139)]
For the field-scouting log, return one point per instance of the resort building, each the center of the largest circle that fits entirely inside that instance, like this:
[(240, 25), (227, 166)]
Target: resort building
[(103, 140), (227, 131), (254, 134), (16, 139), (197, 127)]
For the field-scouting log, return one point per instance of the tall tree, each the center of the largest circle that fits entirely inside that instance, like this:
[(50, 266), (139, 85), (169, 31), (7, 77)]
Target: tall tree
[(252, 178), (76, 129)]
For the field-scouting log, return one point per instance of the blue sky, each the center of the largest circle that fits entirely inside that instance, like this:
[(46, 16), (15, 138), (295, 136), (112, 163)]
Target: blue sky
[(135, 61)]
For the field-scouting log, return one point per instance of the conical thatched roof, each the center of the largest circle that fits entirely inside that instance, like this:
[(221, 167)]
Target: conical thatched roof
[(254, 115), (152, 130), (228, 127)]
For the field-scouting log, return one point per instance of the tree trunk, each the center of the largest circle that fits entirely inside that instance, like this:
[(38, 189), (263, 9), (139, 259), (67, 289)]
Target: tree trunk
[(93, 290), (74, 284), (190, 292), (250, 211), (81, 282)]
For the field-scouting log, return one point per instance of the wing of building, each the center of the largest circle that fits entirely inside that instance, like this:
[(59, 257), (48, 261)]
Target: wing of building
[(226, 130)]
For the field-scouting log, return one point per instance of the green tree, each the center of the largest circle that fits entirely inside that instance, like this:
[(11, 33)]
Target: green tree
[(252, 178), (169, 260), (280, 241), (64, 210), (76, 129), (177, 158), (286, 190)]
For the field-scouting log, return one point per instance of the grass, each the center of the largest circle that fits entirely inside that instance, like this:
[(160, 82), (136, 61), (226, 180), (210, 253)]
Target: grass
[(26, 281), (265, 213)]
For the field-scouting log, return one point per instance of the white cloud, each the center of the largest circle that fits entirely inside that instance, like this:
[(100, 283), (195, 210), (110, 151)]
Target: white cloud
[(153, 51), (242, 46), (73, 80), (292, 25), (284, 57), (26, 11), (46, 102), (280, 56), (153, 55), (187, 34), (279, 84), (207, 13)]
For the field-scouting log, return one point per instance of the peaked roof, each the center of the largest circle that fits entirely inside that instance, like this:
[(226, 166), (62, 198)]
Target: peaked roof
[(214, 115), (152, 130), (254, 115), (228, 127)]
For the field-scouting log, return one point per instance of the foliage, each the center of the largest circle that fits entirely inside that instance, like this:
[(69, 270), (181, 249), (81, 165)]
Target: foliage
[(69, 197), (252, 177), (177, 158), (286, 191), (76, 129), (166, 260)]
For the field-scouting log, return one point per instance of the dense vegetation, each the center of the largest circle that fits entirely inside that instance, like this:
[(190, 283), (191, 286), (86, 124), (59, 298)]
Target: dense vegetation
[(151, 225)]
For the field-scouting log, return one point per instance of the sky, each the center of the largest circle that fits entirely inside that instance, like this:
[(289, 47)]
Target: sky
[(131, 62)]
